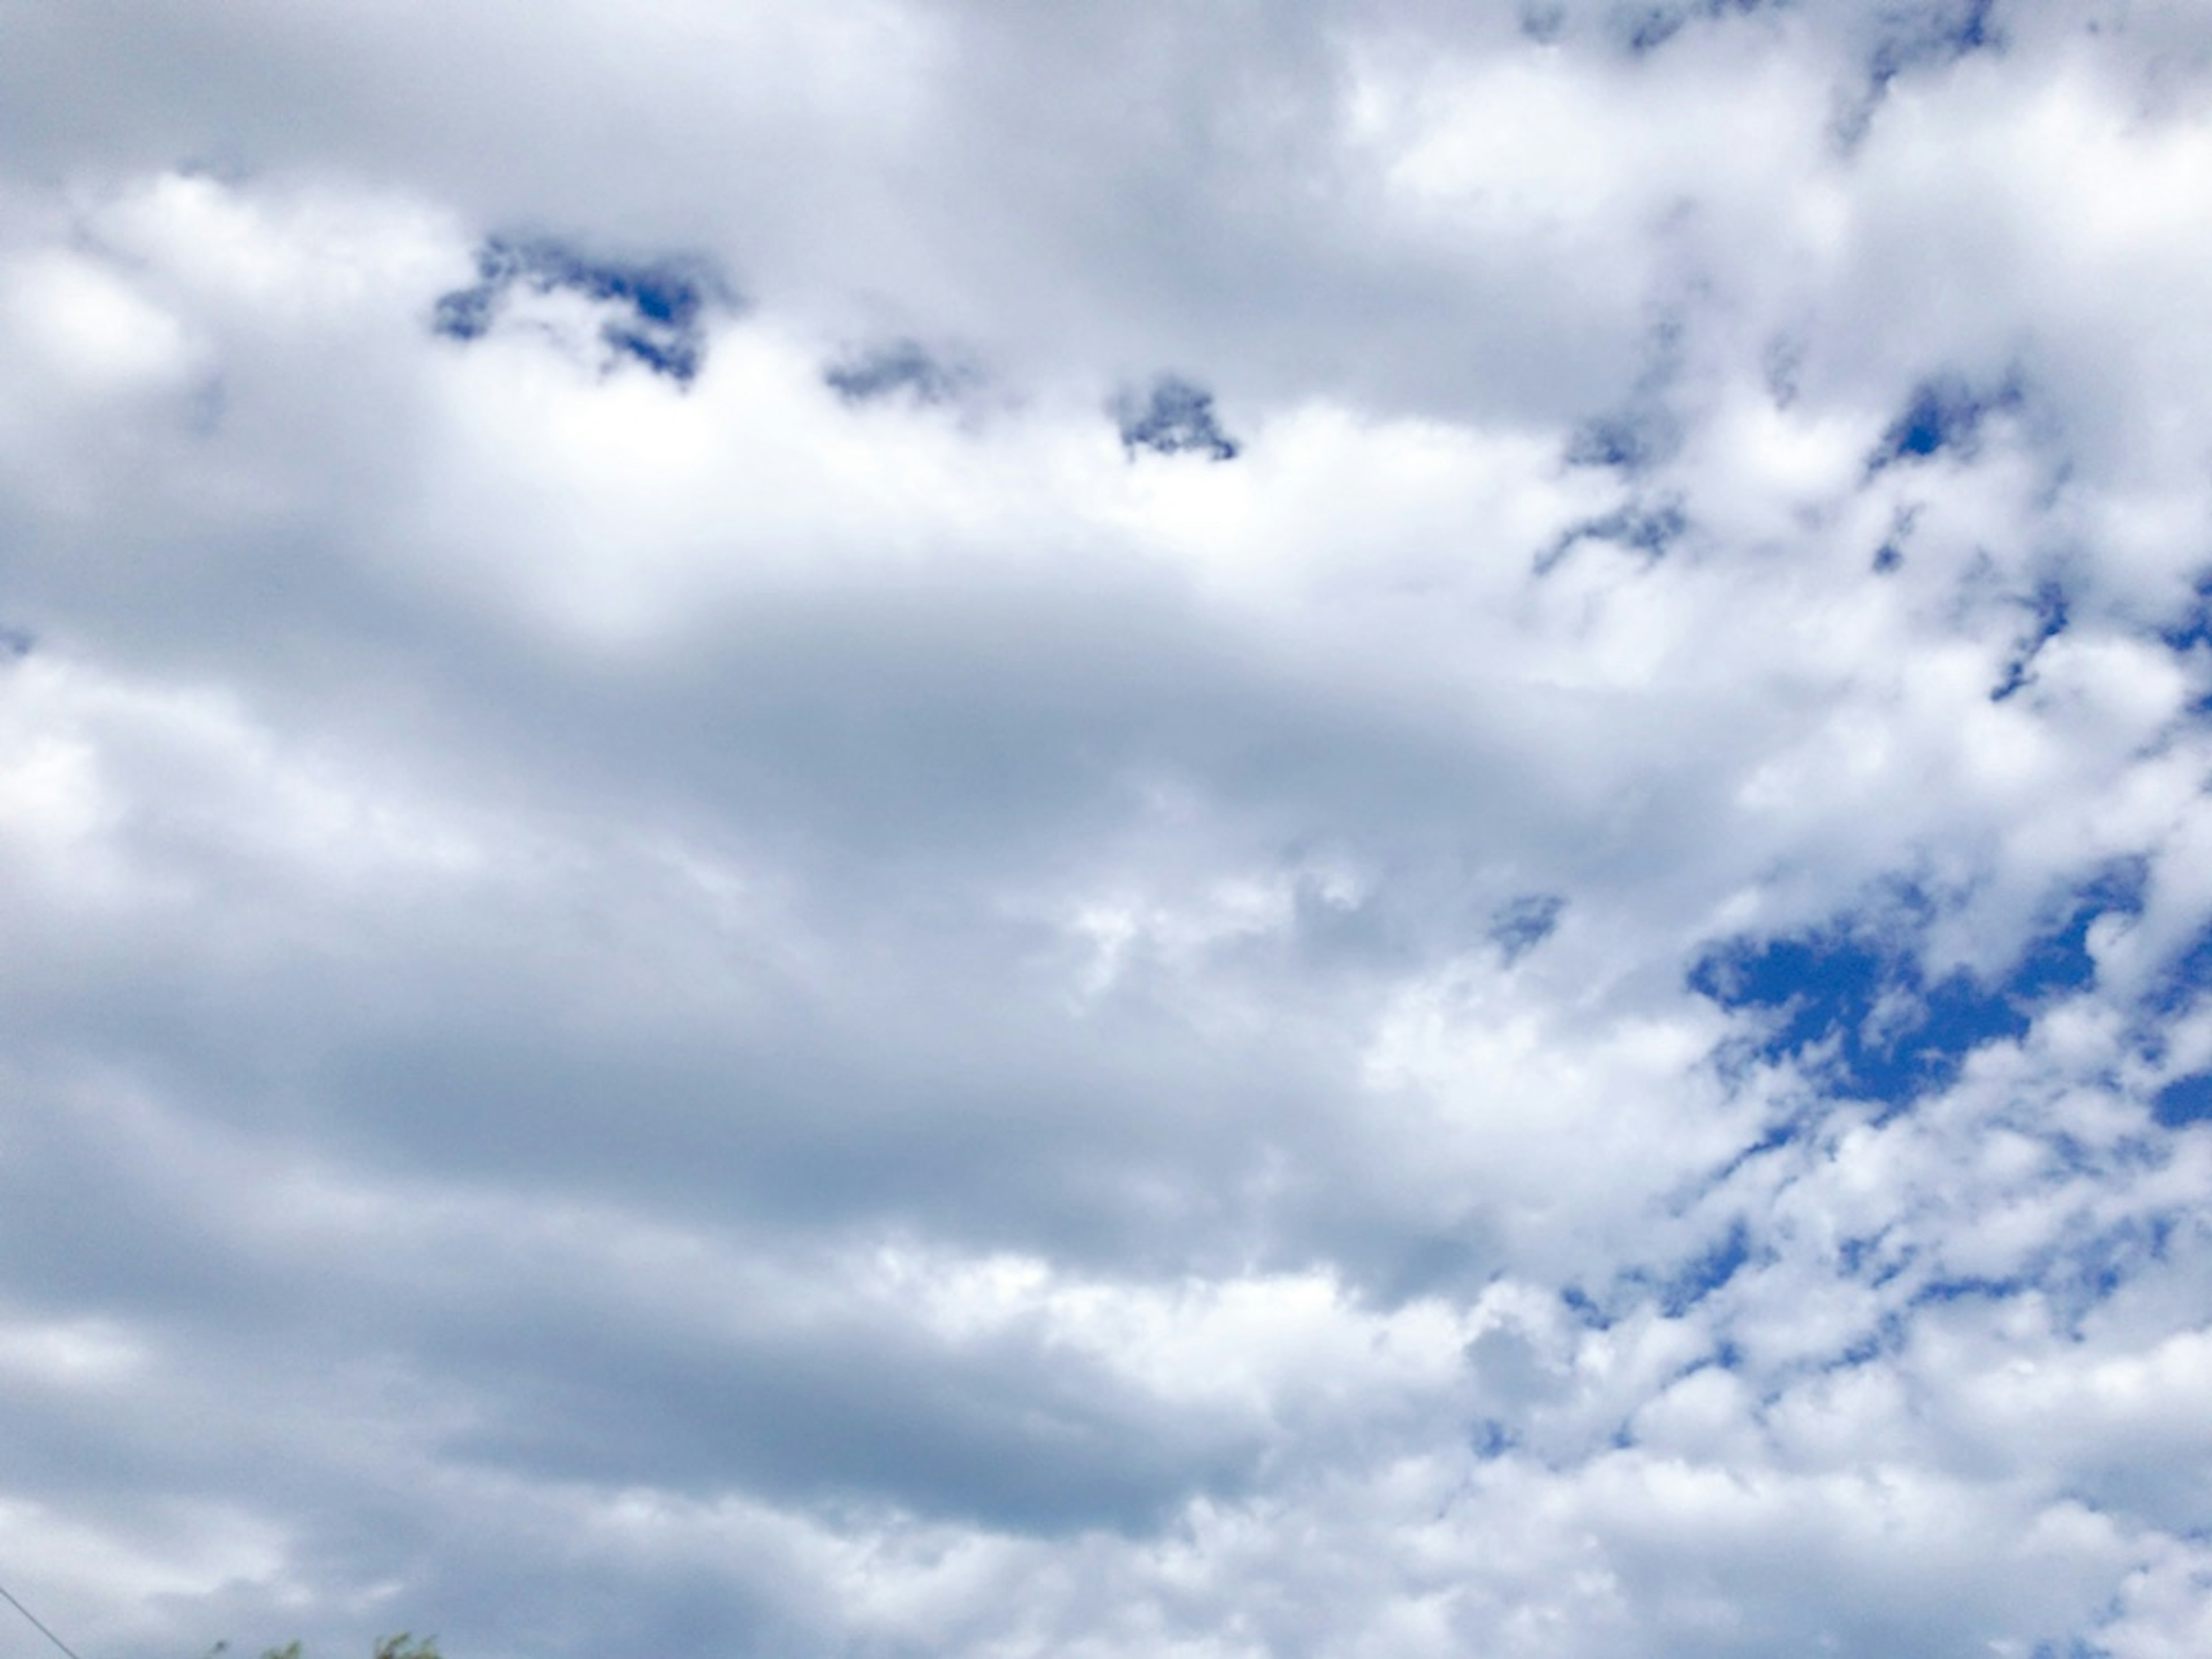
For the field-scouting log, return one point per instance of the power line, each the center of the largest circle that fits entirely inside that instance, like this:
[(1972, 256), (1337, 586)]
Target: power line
[(39, 1622)]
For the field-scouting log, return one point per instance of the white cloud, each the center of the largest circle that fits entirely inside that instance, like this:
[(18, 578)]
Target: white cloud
[(695, 1013)]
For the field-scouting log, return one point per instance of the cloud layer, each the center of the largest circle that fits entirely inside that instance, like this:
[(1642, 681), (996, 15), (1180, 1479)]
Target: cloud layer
[(950, 829)]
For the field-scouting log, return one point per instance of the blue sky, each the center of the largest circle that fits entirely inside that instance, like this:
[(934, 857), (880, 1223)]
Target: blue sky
[(941, 828)]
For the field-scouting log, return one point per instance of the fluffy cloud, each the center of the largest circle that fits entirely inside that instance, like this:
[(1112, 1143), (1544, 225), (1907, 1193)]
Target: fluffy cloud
[(1348, 831)]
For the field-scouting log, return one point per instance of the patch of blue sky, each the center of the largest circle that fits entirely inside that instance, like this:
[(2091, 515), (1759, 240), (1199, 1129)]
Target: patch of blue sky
[(2185, 979), (657, 308), (1676, 1288), (1969, 1288), (1943, 416), (1630, 441), (1651, 28), (900, 367), (1884, 1340), (2051, 614), (2057, 959), (1542, 20), (1875, 1258), (1891, 554), (1579, 1303), (2191, 636), (1647, 527), (2071, 1277), (1644, 432), (1857, 1013), (1733, 1060), (1707, 1272), (2194, 627), (1932, 34), (1521, 924), (1175, 417), (1853, 1005), (2085, 1271), (2185, 1101), (1645, 29), (1492, 1439)]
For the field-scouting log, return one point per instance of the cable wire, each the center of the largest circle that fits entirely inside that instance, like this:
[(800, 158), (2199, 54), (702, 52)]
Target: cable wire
[(37, 1622)]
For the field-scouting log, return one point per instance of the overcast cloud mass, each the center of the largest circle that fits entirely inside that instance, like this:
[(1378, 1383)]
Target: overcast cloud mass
[(944, 827)]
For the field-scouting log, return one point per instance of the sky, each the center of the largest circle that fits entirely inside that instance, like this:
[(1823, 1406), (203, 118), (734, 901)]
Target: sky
[(1342, 829)]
